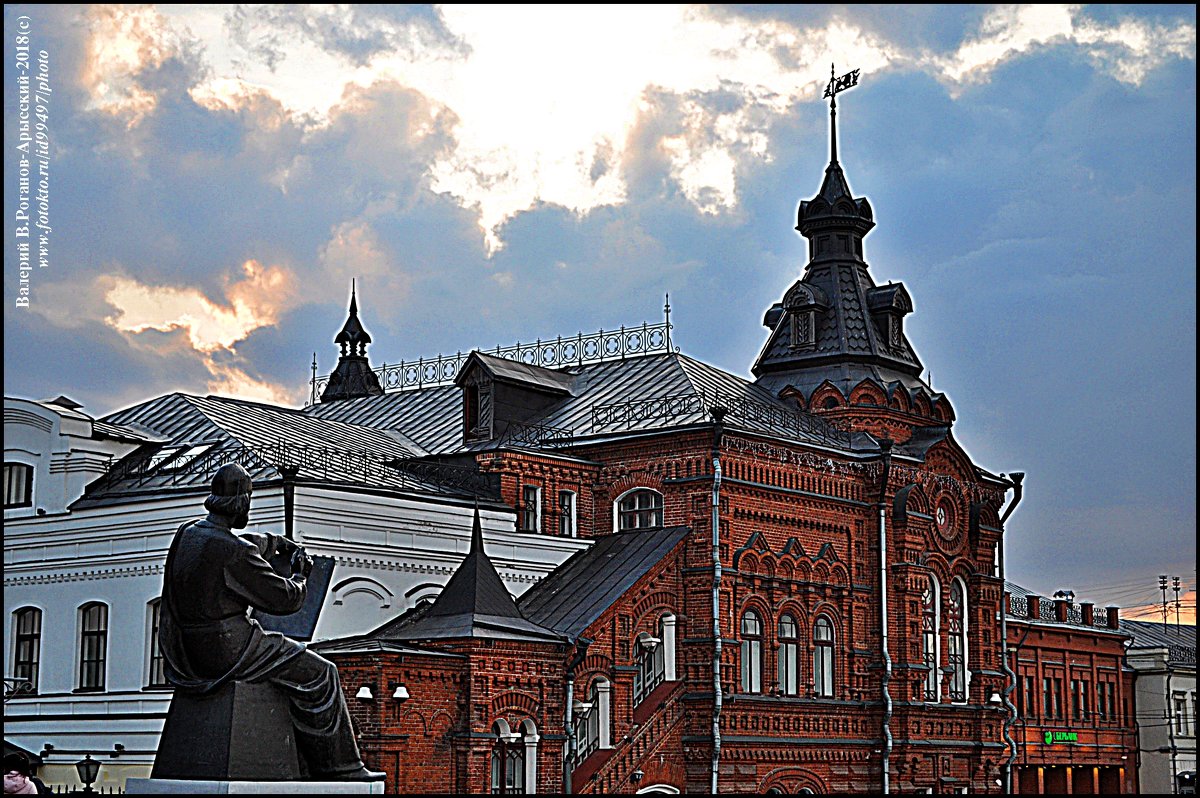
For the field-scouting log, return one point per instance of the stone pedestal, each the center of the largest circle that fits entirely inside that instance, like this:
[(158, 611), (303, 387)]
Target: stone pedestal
[(213, 787), (241, 733)]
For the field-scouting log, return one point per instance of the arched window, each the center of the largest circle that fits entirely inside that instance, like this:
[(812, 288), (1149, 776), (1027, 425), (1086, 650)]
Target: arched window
[(27, 622), (508, 760), (93, 645), (823, 657), (929, 639), (649, 657), (789, 665), (956, 628), (751, 652), (156, 675), (592, 719), (640, 509)]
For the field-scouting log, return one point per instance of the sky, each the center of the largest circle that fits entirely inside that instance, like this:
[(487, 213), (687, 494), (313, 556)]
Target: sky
[(217, 175)]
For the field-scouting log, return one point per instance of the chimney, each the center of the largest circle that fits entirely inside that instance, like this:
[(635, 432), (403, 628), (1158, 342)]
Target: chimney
[(1089, 613), (1114, 617), (1035, 607), (1007, 602), (1061, 608)]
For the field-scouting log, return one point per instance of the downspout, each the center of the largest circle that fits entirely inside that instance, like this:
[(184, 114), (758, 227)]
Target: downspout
[(581, 649), (1170, 709), (718, 414), (1011, 711), (885, 449)]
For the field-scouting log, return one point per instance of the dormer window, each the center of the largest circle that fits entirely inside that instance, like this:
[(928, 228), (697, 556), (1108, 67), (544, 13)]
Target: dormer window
[(470, 411), (803, 324)]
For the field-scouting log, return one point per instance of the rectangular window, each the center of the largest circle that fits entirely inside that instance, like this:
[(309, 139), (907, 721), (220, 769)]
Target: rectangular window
[(1030, 697), (1076, 700), (1181, 714), (29, 648), (18, 485), (1058, 697), (531, 515), (470, 411), (157, 676), (93, 646), (566, 514)]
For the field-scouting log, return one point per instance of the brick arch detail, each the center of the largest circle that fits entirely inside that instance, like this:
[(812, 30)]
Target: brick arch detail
[(415, 714), (596, 663), (868, 388), (657, 604), (791, 780), (824, 391), (633, 481), (513, 701)]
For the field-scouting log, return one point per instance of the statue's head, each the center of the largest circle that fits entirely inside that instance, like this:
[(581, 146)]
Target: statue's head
[(231, 489)]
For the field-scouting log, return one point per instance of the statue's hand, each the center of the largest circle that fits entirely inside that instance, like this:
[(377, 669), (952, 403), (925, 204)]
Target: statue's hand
[(302, 563)]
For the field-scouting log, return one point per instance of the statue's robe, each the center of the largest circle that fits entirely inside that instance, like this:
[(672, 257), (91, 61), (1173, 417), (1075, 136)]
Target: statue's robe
[(207, 637)]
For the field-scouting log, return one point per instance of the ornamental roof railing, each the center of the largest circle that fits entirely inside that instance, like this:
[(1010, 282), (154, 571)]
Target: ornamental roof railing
[(557, 352)]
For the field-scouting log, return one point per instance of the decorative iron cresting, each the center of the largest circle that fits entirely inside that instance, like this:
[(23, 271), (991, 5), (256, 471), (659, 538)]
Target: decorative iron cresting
[(558, 352), (536, 435), (1018, 606)]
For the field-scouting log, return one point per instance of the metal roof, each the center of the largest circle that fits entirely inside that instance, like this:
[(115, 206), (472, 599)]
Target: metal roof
[(609, 399), (578, 592), (537, 377), (201, 433), (474, 603), (1154, 634)]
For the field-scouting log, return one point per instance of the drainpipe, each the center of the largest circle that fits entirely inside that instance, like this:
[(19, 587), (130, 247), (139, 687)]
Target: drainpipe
[(1011, 711), (885, 449), (718, 414), (581, 648)]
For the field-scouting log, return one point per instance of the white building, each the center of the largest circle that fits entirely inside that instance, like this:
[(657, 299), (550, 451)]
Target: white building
[(1164, 656), (90, 508)]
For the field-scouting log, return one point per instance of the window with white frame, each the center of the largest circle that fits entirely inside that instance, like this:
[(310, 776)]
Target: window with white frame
[(531, 508), (929, 639), (650, 660), (956, 628), (751, 652), (823, 641), (789, 664), (592, 718), (27, 624), (566, 514), (508, 760), (93, 645), (18, 485), (640, 509), (1182, 726)]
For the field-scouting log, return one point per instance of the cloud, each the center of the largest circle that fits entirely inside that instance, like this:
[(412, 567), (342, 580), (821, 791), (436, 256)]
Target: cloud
[(1127, 50), (534, 108), (253, 301)]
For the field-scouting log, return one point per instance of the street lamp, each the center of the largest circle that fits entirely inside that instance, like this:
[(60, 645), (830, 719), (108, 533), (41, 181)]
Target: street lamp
[(88, 770)]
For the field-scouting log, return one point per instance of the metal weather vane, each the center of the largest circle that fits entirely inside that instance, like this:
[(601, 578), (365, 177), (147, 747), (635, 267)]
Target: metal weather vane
[(836, 84)]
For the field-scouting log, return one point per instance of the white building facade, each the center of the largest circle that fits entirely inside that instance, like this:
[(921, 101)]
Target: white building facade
[(87, 533), (1164, 657)]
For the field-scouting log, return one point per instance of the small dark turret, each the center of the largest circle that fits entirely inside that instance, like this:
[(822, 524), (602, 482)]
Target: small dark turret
[(353, 377)]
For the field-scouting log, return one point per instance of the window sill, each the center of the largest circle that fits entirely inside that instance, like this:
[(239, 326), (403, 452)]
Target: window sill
[(88, 690)]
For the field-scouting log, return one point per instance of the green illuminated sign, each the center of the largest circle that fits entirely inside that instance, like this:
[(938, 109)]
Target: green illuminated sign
[(1061, 737)]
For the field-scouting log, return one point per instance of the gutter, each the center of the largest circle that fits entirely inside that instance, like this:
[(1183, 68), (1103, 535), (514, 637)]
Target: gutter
[(718, 414), (885, 447), (1017, 477)]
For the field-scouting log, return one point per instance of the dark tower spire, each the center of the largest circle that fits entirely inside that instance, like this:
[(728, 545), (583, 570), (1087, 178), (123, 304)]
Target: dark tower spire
[(835, 325), (353, 377)]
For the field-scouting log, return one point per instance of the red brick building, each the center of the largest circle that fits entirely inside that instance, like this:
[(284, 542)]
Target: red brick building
[(1075, 728), (793, 585)]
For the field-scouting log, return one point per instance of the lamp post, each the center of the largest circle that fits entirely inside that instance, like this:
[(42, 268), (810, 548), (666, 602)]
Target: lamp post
[(88, 770)]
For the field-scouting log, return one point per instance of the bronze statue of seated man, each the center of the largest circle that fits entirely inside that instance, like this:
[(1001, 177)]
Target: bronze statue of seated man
[(208, 639)]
